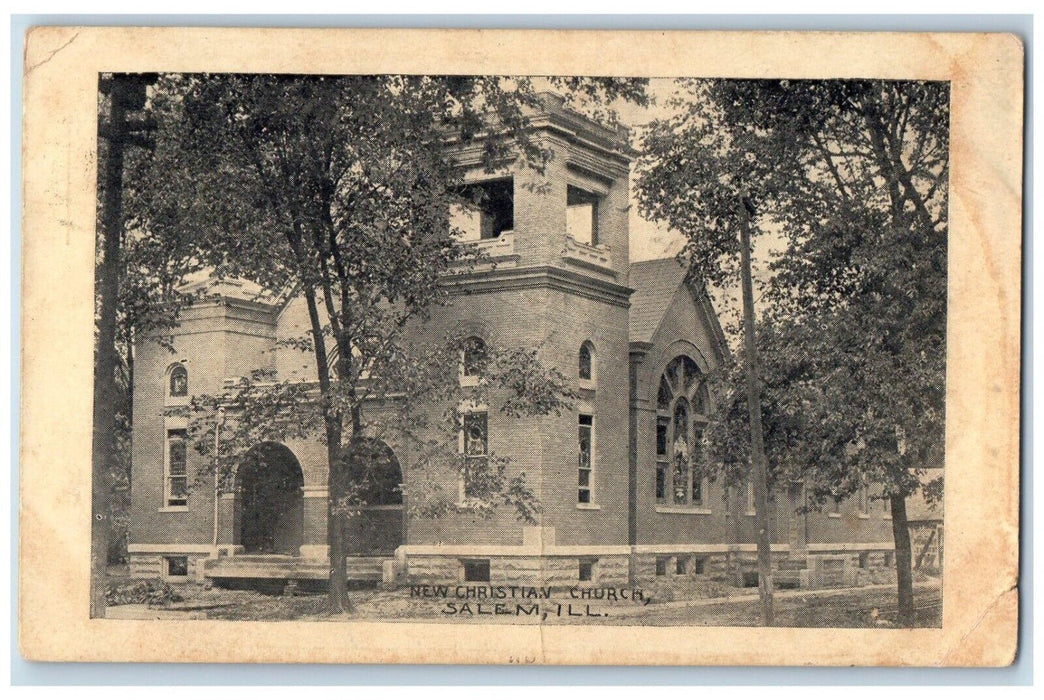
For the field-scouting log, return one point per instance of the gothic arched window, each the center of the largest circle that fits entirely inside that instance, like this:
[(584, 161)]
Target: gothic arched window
[(681, 407)]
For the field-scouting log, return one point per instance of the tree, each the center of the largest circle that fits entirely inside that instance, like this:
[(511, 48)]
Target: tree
[(126, 298), (338, 188), (715, 179), (137, 275), (854, 336)]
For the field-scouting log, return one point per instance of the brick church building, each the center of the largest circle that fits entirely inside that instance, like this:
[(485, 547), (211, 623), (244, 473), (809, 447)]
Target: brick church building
[(637, 339)]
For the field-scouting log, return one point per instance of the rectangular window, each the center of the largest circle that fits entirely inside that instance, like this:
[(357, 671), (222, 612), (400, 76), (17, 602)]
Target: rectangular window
[(177, 566), (476, 443), (680, 482), (582, 216), (586, 569), (681, 566), (662, 459), (476, 570), (695, 467), (177, 468), (487, 210), (699, 566), (661, 566), (585, 445), (864, 501)]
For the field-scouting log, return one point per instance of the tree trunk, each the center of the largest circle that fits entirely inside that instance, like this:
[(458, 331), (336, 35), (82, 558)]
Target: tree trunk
[(903, 556), (757, 441), (337, 600), (106, 396)]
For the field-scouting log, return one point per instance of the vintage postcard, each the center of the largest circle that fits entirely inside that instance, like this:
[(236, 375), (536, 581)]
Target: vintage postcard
[(553, 347)]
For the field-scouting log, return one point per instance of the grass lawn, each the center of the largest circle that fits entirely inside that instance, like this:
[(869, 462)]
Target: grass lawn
[(873, 608)]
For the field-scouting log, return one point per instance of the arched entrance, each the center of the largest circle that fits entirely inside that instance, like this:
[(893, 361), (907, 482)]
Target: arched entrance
[(269, 516), (378, 527)]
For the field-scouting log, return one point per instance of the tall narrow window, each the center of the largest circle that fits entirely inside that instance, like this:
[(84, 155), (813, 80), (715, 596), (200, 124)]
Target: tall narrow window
[(682, 454), (476, 452), (864, 501), (584, 464), (177, 468), (582, 215), (474, 357), (586, 362), (178, 381), (662, 458)]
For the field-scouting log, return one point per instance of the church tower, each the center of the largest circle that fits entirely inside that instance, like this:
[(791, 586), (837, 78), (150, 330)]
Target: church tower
[(559, 240)]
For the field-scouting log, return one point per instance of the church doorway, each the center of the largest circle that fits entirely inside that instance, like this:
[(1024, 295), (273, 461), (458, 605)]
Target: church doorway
[(378, 527), (269, 503)]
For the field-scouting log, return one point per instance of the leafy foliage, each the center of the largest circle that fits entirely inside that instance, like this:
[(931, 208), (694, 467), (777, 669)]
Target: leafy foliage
[(338, 189), (851, 175)]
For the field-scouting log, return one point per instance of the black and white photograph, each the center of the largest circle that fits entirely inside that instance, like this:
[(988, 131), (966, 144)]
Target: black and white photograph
[(526, 349), (390, 347)]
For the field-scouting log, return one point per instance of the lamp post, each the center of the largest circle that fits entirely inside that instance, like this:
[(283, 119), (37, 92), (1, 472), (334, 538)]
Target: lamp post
[(217, 473)]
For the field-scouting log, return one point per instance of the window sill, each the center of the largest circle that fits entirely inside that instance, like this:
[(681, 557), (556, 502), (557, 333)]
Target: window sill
[(833, 515), (684, 510), (864, 516), (588, 384), (588, 506), (173, 509), (750, 513), (887, 516)]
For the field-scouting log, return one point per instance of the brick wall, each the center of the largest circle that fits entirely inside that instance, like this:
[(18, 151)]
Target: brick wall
[(217, 340)]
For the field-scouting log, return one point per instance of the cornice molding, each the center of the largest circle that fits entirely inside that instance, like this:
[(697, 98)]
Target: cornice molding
[(544, 276)]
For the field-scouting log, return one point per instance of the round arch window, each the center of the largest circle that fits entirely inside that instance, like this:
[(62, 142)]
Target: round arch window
[(178, 382), (586, 362)]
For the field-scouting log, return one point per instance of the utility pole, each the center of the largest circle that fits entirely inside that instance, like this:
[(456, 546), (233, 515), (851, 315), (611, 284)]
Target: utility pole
[(126, 94), (757, 440)]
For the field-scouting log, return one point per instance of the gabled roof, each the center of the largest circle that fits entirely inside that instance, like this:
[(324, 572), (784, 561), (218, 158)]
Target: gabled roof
[(655, 283)]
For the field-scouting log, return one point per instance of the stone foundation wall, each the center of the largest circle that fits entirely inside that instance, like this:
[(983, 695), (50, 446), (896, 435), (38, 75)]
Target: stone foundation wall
[(729, 566), (152, 566), (509, 570)]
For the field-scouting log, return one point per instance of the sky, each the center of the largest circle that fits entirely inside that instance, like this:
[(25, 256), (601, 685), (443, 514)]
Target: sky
[(649, 239)]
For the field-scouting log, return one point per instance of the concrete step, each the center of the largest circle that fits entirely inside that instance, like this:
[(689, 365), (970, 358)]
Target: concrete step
[(267, 566)]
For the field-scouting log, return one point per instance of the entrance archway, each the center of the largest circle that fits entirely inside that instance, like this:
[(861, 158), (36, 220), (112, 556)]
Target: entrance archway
[(269, 503), (377, 529)]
